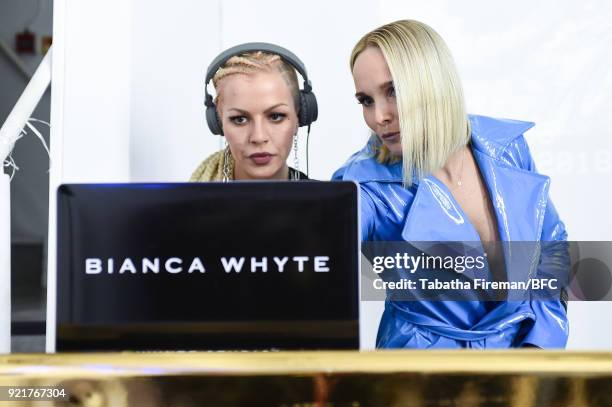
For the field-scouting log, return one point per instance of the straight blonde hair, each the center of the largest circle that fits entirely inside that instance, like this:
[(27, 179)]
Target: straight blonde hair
[(431, 108)]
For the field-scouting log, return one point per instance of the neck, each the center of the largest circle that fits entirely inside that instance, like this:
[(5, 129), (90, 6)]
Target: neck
[(281, 175), (452, 169)]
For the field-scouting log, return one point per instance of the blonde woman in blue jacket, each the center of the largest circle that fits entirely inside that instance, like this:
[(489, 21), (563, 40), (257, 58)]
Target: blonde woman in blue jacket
[(430, 172)]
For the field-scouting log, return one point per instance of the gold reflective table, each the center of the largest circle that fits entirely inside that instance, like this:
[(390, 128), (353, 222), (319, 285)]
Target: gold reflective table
[(309, 379)]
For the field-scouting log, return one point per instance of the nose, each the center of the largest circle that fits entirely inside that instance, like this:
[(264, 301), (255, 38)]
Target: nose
[(259, 132), (383, 113)]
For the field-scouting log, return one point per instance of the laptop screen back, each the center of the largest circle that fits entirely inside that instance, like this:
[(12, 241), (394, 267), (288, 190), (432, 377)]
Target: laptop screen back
[(254, 265)]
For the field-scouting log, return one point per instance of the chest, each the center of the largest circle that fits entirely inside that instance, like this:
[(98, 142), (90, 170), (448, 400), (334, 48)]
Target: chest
[(473, 197), (477, 206)]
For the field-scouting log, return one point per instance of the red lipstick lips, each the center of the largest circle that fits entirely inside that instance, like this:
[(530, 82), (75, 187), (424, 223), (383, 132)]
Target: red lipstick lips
[(390, 136), (261, 158)]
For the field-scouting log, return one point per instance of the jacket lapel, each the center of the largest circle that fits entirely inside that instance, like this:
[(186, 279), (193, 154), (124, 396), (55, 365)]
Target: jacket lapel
[(435, 216), (519, 198)]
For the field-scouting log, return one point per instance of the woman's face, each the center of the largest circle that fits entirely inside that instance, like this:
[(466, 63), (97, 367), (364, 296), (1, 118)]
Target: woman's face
[(259, 121), (375, 92)]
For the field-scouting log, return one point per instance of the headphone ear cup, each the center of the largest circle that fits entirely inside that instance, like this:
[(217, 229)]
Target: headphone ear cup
[(212, 119), (309, 110)]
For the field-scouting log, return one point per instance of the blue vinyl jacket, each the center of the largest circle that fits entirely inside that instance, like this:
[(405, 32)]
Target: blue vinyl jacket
[(427, 211)]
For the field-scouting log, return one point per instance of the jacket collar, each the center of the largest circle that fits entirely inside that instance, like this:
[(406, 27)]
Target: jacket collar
[(519, 197), (363, 166), (519, 200), (492, 136), (488, 135)]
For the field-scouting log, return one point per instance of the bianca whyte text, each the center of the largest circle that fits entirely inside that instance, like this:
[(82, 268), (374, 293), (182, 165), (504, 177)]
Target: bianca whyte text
[(175, 265)]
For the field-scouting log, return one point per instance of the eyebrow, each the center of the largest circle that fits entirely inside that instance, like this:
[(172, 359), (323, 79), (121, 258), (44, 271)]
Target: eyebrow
[(275, 106), (267, 110), (383, 86), (238, 110)]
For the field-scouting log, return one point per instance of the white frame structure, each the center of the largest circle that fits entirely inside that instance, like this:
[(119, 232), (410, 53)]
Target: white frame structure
[(10, 132), (55, 174)]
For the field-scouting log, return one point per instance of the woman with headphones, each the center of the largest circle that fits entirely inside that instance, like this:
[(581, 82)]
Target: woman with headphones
[(258, 109)]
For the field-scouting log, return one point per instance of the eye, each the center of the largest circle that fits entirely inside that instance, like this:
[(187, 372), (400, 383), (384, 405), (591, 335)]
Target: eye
[(365, 101), (391, 91), (277, 117), (238, 120)]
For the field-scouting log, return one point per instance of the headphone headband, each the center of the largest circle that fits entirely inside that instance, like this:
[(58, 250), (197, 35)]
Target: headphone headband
[(284, 53), (307, 109)]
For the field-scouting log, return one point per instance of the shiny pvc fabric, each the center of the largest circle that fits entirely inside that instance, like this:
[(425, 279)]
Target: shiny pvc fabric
[(427, 211)]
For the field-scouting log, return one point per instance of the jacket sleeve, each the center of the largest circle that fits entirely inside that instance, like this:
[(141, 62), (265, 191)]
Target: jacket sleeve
[(367, 213), (550, 328)]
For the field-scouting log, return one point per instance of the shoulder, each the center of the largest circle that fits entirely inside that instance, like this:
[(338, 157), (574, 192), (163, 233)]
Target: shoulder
[(494, 136), (208, 168), (502, 139), (383, 195), (363, 167)]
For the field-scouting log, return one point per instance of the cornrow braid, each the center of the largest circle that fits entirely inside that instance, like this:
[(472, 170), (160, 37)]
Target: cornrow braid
[(245, 64), (259, 61)]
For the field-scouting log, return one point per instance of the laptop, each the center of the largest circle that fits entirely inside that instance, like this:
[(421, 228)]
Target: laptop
[(207, 266)]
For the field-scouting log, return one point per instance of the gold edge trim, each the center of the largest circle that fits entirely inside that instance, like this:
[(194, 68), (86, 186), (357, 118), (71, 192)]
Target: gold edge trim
[(528, 362)]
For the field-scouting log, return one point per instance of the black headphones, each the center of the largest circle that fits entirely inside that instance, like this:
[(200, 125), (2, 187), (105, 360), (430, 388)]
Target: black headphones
[(308, 110)]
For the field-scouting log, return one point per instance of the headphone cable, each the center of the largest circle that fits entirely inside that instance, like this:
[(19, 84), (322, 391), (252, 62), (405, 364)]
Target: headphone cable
[(307, 145)]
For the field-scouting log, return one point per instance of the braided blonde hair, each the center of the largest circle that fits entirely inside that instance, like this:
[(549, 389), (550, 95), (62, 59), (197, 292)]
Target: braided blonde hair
[(258, 61)]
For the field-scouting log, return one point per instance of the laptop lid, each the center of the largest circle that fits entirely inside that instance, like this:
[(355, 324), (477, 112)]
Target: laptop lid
[(241, 265)]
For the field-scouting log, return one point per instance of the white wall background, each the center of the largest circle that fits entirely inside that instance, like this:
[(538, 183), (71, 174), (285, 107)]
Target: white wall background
[(128, 92)]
